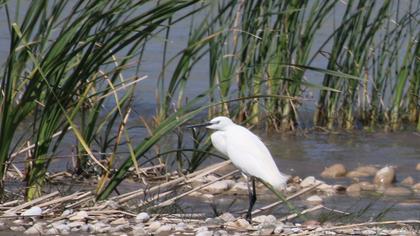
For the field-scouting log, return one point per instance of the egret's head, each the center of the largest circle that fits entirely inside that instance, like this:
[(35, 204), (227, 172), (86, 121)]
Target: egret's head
[(218, 123)]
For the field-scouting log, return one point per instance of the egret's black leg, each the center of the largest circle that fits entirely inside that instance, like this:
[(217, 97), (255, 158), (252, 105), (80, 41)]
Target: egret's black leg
[(252, 199)]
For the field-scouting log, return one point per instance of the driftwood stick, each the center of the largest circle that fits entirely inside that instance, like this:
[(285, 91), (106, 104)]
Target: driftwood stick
[(303, 191), (33, 202)]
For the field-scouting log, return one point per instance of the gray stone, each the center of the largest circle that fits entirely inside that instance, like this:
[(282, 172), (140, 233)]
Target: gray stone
[(164, 228), (314, 199), (308, 181), (142, 217), (227, 217), (67, 212), (219, 186), (240, 187), (154, 226), (385, 176), (139, 230), (52, 231), (34, 230), (33, 211), (204, 233), (181, 226), (220, 233), (264, 219)]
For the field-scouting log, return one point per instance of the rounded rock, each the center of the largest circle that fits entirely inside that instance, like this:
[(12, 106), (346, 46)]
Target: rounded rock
[(219, 186), (409, 181), (227, 217), (385, 176), (308, 181), (334, 171), (314, 199), (164, 229), (264, 219), (142, 217), (354, 188), (33, 211), (154, 226), (240, 187), (418, 166)]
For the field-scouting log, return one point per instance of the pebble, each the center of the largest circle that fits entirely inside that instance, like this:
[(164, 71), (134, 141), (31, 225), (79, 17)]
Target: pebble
[(219, 186), (314, 199), (240, 187), (154, 226), (264, 219), (265, 230), (142, 217), (369, 232), (164, 228), (204, 233), (221, 233), (408, 181), (35, 229), (308, 181), (354, 188), (80, 215), (385, 176), (53, 231), (334, 171), (181, 226), (397, 191), (67, 212), (418, 166), (239, 224), (139, 230), (227, 217), (33, 211)]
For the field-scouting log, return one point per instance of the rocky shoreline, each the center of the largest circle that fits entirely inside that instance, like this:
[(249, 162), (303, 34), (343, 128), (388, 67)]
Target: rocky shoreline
[(79, 214)]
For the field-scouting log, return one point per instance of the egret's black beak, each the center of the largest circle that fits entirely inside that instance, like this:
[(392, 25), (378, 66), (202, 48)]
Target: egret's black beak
[(199, 125)]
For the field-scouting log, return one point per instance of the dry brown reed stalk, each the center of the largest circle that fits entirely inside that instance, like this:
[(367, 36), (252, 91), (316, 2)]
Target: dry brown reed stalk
[(294, 215)]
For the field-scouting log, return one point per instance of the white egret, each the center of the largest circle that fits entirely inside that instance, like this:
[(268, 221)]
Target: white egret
[(248, 153)]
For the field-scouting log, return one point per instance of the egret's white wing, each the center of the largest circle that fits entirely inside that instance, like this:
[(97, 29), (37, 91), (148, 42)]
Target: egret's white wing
[(218, 139), (250, 155)]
